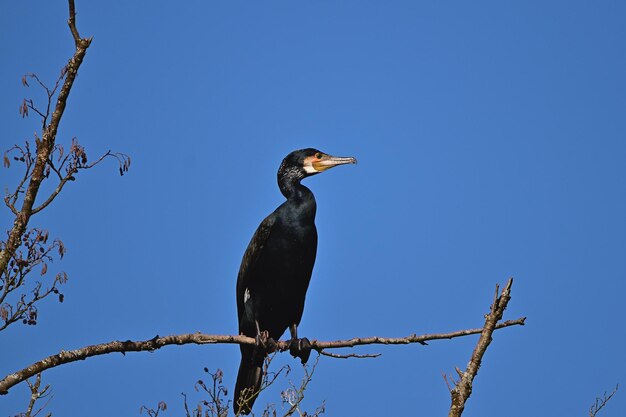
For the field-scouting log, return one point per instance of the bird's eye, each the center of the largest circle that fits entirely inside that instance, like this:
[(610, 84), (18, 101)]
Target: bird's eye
[(318, 155)]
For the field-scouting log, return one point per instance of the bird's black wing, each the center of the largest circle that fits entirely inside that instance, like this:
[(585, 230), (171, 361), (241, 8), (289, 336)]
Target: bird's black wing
[(249, 376), (249, 261)]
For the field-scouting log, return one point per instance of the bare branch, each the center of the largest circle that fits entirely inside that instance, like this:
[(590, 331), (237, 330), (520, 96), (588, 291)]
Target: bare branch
[(601, 402), (45, 145), (421, 339), (349, 355), (23, 155), (154, 412), (200, 338), (29, 104), (71, 22), (78, 163), (216, 405), (36, 394), (463, 388), (293, 396)]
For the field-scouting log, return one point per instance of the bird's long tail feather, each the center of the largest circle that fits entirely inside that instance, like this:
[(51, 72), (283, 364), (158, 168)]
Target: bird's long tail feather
[(249, 379)]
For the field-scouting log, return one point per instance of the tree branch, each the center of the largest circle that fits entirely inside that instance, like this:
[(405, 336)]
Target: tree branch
[(463, 388), (71, 22), (46, 144), (421, 339), (35, 395), (75, 166), (601, 402), (158, 342)]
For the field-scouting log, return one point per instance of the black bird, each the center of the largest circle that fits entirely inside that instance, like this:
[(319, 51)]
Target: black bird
[(275, 272)]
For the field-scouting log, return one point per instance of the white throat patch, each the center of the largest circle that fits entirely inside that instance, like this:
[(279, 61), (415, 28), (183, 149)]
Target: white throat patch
[(308, 167)]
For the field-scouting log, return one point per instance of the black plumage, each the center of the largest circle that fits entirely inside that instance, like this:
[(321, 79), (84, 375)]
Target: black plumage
[(276, 270)]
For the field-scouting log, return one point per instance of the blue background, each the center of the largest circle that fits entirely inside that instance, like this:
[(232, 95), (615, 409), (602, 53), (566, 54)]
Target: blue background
[(491, 143)]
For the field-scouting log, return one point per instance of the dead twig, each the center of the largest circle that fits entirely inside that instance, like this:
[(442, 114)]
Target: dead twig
[(349, 355), (293, 396), (154, 412), (36, 393), (78, 161), (601, 402)]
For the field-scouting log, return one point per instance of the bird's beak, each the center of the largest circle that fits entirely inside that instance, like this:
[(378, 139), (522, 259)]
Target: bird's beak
[(327, 162)]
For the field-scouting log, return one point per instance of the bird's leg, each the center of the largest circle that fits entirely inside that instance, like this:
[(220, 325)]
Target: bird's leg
[(264, 344), (299, 348)]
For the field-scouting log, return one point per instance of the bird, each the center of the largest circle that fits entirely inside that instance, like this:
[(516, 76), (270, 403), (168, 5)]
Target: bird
[(276, 270)]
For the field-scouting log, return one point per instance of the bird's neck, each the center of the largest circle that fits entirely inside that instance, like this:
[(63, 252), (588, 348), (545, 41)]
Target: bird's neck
[(300, 199), (293, 190), (289, 183)]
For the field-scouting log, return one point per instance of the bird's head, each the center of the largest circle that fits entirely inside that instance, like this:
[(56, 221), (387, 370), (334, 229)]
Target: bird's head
[(310, 161), (306, 162)]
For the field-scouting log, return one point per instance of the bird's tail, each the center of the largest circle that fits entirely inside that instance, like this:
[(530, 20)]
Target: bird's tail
[(249, 379)]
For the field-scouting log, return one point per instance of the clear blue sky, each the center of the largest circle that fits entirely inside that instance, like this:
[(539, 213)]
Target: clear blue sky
[(491, 139)]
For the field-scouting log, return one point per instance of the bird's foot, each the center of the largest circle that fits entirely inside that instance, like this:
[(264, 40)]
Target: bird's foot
[(300, 348), (265, 343)]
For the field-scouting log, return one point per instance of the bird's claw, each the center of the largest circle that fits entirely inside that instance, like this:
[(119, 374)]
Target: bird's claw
[(265, 343), (300, 348)]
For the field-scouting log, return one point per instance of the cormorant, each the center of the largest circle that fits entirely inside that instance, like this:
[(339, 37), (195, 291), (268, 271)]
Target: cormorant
[(275, 272)]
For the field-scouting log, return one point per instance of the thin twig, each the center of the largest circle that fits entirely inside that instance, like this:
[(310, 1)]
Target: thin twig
[(349, 355), (72, 23), (601, 402), (421, 339), (293, 396), (69, 176), (36, 395)]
